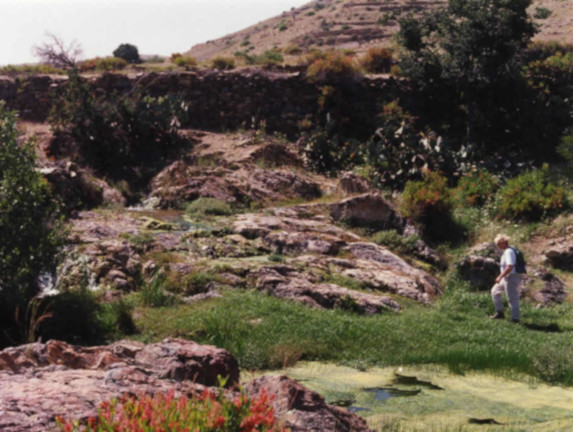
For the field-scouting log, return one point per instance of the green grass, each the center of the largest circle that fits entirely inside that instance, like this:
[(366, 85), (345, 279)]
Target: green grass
[(264, 332)]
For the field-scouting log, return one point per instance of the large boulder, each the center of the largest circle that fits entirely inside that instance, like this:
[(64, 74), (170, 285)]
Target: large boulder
[(559, 254), (367, 210), (287, 282), (40, 381), (553, 291), (479, 271), (352, 184), (304, 410)]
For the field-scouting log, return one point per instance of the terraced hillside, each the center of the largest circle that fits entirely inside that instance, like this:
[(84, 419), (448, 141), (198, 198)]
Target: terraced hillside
[(357, 25)]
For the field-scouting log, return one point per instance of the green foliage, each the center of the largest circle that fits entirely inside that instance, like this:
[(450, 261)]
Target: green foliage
[(127, 52), (29, 223), (106, 64), (531, 196), (396, 242), (456, 333), (153, 292), (331, 66), (430, 195), (282, 25), (269, 57), (209, 206), (37, 69), (397, 152), (542, 13), (377, 60), (77, 318), (184, 61), (329, 152), (467, 54), (475, 188), (123, 136), (208, 412), (292, 49), (223, 63)]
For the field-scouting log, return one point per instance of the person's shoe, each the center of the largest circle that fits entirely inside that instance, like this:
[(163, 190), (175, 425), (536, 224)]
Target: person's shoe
[(515, 320), (497, 315)]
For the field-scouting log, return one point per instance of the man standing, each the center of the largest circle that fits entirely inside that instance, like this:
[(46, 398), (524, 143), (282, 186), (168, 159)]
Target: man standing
[(508, 281)]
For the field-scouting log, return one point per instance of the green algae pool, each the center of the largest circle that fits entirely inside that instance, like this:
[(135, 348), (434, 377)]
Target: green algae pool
[(432, 399)]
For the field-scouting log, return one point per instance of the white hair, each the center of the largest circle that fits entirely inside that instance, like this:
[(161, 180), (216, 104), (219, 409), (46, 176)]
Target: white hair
[(500, 238)]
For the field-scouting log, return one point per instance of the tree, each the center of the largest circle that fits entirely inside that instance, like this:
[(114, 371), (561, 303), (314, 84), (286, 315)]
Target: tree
[(55, 52), (466, 50), (127, 52), (30, 235)]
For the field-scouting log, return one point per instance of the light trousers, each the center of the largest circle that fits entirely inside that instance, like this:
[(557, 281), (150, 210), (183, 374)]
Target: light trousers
[(509, 284)]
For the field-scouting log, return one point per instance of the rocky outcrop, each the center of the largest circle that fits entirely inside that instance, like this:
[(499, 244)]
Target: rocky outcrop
[(288, 283), (304, 410), (553, 291), (367, 210), (39, 381), (77, 189), (559, 254), (352, 184), (479, 271)]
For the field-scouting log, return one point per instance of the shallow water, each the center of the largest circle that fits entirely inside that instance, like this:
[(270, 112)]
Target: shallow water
[(432, 399)]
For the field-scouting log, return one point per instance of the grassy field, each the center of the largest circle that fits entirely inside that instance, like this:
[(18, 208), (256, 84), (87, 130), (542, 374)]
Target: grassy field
[(267, 333)]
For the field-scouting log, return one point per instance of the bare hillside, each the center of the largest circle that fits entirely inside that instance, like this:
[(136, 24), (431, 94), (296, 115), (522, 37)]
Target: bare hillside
[(356, 25)]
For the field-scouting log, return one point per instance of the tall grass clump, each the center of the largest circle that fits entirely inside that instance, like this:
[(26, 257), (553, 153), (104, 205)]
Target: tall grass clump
[(209, 207), (331, 66), (208, 412), (223, 63)]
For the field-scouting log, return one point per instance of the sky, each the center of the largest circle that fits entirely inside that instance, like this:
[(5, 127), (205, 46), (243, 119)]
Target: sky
[(158, 27)]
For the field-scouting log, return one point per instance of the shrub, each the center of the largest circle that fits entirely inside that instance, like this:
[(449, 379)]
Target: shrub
[(30, 232), (153, 293), (282, 26), (475, 188), (186, 62), (542, 13), (428, 196), (124, 136), (209, 206), (127, 52), (223, 63), (530, 196), (377, 60), (332, 66), (398, 153), (210, 411), (396, 242), (328, 153), (105, 64), (154, 59)]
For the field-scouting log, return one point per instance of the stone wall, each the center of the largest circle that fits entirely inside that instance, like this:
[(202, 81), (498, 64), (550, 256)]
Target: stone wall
[(217, 100)]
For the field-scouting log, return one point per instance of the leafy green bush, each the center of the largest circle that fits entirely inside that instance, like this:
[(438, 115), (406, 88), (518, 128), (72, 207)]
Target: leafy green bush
[(153, 293), (398, 152), (127, 52), (377, 60), (186, 62), (396, 242), (30, 232), (209, 206), (327, 153), (431, 195), (209, 412), (331, 66), (542, 13), (223, 63), (475, 188), (531, 196), (428, 204), (124, 136)]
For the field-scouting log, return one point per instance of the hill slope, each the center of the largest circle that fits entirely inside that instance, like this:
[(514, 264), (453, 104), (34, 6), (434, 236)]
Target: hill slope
[(356, 25)]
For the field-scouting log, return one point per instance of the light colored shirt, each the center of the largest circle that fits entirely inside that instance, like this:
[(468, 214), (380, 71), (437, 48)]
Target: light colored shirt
[(508, 258)]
